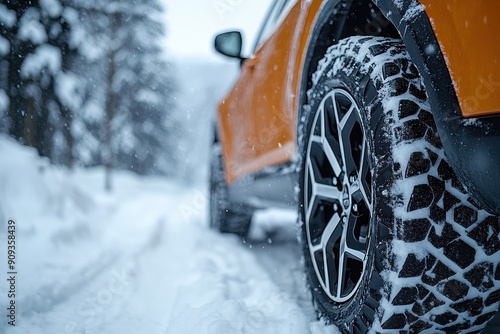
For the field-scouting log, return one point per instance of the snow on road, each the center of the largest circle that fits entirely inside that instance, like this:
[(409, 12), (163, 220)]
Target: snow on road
[(141, 259)]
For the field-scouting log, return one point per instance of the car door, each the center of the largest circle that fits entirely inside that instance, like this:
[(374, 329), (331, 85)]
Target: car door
[(256, 127)]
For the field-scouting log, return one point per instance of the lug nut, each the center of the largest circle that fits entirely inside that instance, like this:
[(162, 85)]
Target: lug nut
[(334, 181), (355, 207)]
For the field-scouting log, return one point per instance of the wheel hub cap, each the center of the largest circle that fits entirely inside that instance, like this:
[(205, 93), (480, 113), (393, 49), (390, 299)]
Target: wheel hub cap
[(338, 196)]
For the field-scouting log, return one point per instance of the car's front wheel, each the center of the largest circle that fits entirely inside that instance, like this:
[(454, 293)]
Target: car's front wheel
[(391, 239)]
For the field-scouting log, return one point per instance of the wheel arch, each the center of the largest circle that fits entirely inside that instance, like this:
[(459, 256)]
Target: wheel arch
[(338, 20)]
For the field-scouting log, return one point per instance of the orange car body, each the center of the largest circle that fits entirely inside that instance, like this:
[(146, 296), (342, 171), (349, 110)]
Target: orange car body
[(464, 30), (258, 118)]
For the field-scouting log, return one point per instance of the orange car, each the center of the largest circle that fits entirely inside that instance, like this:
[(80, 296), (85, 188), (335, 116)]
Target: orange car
[(380, 121)]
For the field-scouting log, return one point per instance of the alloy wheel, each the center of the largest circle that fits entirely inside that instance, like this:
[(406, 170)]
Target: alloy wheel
[(338, 199)]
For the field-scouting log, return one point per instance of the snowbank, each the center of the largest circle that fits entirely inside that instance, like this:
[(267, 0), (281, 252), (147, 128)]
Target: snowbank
[(32, 191)]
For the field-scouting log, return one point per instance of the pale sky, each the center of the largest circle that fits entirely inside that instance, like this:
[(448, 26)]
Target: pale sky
[(192, 24)]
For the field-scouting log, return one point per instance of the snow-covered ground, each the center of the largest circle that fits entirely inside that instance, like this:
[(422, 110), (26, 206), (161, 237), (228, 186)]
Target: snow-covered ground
[(140, 259)]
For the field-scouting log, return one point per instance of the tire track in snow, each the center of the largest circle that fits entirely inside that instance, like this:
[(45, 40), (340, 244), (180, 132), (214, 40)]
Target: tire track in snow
[(49, 296), (95, 275)]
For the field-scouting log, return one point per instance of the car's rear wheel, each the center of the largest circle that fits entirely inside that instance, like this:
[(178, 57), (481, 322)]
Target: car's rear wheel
[(225, 216), (391, 239)]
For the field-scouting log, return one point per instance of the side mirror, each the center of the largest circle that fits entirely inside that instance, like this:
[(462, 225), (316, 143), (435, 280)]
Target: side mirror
[(229, 44)]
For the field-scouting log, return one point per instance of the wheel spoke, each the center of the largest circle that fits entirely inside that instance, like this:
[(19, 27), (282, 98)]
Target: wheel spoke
[(360, 184), (351, 243), (347, 119), (311, 171), (331, 157), (329, 192), (326, 269), (317, 139), (355, 253), (330, 236), (346, 128), (357, 189), (362, 168), (331, 138), (366, 197), (339, 129), (330, 230), (340, 274), (322, 121), (313, 182), (363, 173), (315, 248)]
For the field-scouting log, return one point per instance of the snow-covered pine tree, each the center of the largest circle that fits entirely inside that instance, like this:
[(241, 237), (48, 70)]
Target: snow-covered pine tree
[(133, 83), (21, 33), (144, 131), (86, 81), (36, 43)]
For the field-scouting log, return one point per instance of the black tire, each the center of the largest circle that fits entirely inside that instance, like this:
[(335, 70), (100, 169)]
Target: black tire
[(426, 255), (225, 216)]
